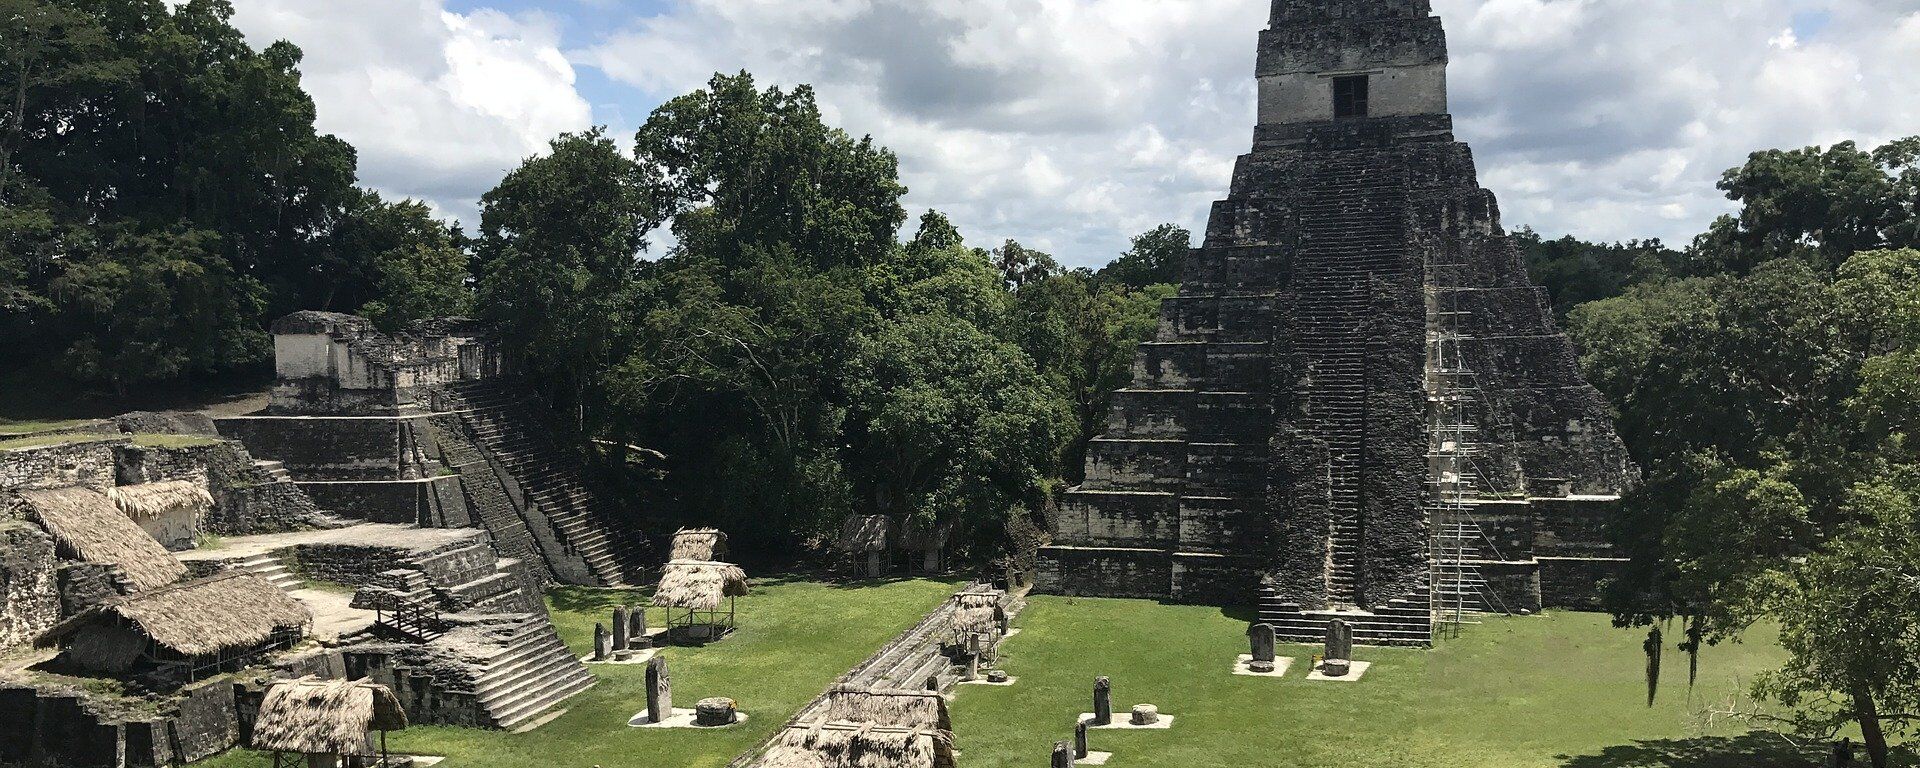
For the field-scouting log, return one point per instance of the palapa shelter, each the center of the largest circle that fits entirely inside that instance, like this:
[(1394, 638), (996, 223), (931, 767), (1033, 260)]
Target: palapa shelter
[(868, 537), (847, 745), (170, 511), (329, 723), (888, 708), (189, 630), (928, 540), (702, 544), (694, 593), (977, 614), (90, 528)]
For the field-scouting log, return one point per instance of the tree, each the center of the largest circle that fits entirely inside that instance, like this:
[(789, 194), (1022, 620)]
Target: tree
[(49, 52), (1818, 205), (158, 307), (418, 270), (1157, 258), (560, 239), (770, 171), (1575, 272), (955, 427), (1771, 412)]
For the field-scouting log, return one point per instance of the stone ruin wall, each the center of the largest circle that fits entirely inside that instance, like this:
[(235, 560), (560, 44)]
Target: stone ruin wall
[(329, 364)]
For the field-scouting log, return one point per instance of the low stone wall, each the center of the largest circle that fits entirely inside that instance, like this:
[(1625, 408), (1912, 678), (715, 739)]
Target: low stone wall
[(86, 462), (405, 502), (320, 448), (1135, 573), (1573, 583), (66, 731), (354, 566)]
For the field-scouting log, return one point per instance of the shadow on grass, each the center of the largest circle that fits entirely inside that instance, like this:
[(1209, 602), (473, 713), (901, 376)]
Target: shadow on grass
[(1755, 749), (592, 600)]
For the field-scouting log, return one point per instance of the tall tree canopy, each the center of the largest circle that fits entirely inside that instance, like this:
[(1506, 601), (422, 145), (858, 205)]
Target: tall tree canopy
[(151, 159)]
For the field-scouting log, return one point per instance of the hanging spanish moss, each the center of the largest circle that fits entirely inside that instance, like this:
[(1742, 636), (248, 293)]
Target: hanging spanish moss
[(1653, 648), (1696, 630)]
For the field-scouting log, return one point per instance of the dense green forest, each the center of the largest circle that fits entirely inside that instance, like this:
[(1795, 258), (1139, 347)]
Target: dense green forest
[(806, 350)]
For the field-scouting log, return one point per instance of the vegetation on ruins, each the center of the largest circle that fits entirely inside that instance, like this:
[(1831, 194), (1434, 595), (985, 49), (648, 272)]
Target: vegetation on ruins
[(163, 194), (1769, 391)]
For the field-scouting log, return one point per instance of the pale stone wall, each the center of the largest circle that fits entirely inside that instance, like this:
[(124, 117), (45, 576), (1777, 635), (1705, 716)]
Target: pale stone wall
[(29, 589), (1303, 97), (88, 462)]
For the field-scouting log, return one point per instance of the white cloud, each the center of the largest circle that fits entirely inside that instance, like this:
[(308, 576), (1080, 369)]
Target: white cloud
[(1074, 124), (439, 104)]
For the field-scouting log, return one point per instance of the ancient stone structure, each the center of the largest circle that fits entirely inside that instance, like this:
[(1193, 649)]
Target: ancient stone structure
[(1062, 755), (1080, 746), (1265, 655), (1355, 315), (1338, 657), (659, 690), (1144, 715), (1102, 701), (428, 427), (602, 643), (715, 712)]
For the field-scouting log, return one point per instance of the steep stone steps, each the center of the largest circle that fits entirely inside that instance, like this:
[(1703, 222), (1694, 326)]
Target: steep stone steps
[(534, 673), (273, 570)]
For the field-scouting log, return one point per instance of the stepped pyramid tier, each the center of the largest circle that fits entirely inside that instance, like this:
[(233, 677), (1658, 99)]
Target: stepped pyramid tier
[(431, 427), (1356, 342)]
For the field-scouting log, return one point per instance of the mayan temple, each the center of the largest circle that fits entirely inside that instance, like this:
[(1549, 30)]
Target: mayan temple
[(1359, 406)]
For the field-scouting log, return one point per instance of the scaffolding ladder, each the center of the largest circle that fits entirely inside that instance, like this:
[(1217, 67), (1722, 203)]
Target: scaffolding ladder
[(1458, 543)]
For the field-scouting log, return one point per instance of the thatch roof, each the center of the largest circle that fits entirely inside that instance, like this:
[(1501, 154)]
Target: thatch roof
[(838, 745), (919, 535), (976, 613), (153, 500), (868, 533), (199, 618), (325, 717), (888, 708), (89, 527), (699, 585), (705, 544)]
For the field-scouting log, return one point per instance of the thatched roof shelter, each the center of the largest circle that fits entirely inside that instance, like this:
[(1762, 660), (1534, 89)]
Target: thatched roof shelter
[(89, 527), (976, 613), (702, 544), (888, 708), (150, 501), (699, 585), (919, 535), (866, 533), (325, 717), (225, 613), (842, 745)]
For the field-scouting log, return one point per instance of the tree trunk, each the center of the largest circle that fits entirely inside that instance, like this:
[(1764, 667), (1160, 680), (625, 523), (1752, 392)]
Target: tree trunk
[(1868, 714)]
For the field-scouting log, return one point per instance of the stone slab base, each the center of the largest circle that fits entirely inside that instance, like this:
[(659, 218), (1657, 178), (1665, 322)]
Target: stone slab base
[(1280, 667), (1353, 676), (1094, 758), (681, 718), (639, 657), (1121, 723), (983, 681)]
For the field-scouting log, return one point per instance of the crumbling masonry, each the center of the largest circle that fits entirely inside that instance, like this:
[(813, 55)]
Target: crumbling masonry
[(1357, 377)]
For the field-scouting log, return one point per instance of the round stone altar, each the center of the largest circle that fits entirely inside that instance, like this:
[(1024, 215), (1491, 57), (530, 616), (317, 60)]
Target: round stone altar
[(715, 712)]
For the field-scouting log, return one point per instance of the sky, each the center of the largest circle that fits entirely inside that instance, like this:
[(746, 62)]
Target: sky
[(1072, 125)]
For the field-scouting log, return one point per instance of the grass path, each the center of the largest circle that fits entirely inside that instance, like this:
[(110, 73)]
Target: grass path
[(1560, 691), (795, 639)]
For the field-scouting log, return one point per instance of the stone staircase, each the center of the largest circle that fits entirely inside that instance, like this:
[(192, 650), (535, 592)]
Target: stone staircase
[(533, 672), (270, 567), (582, 522), (274, 470), (511, 527), (1404, 622), (1351, 245)]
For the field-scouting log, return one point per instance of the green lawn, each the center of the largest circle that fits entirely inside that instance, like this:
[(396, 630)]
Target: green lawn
[(795, 639), (10, 427), (1564, 691)]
